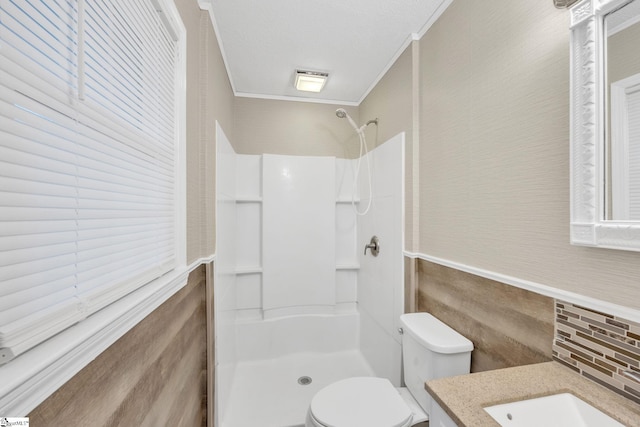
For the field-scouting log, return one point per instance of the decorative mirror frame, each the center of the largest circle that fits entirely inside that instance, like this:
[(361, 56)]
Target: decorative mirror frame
[(588, 154)]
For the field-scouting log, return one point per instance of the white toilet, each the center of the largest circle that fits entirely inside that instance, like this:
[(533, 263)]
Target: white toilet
[(430, 349)]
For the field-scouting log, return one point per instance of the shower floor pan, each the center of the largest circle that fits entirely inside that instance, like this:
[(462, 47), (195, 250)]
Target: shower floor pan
[(277, 392)]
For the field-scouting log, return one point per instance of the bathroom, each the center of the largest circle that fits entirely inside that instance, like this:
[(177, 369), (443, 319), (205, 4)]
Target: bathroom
[(483, 100)]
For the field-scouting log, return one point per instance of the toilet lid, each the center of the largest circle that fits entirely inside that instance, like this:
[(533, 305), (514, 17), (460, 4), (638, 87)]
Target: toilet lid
[(360, 402)]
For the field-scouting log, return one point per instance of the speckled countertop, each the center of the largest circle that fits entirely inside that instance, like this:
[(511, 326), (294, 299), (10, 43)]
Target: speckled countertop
[(463, 397)]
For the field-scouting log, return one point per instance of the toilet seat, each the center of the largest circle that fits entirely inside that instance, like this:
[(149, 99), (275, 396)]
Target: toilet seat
[(360, 402)]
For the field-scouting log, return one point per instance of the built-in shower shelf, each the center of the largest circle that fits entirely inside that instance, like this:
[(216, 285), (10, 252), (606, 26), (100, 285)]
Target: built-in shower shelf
[(350, 266), (248, 270), (346, 201), (249, 199)]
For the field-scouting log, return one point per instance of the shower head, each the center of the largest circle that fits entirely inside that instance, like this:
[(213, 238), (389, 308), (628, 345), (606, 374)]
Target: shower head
[(341, 113)]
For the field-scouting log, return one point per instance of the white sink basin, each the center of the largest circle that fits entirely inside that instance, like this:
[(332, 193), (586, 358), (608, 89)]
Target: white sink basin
[(558, 410)]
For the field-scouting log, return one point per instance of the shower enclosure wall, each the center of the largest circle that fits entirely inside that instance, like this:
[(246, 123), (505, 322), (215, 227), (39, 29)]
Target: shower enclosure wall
[(293, 284)]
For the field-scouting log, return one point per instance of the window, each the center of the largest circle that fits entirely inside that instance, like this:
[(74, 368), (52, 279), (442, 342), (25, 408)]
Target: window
[(89, 159)]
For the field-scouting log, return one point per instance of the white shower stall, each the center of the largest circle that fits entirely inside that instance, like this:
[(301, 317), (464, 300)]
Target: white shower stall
[(298, 304)]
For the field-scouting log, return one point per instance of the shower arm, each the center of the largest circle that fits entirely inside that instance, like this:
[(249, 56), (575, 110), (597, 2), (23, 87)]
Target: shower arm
[(341, 113)]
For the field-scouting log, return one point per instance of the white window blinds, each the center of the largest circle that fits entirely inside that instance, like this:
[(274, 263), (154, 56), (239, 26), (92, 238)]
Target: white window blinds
[(88, 143)]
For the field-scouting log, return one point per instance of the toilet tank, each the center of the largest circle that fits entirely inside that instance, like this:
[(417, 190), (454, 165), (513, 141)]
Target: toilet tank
[(430, 350)]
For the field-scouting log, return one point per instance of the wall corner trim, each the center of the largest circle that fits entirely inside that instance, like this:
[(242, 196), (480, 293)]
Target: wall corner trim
[(33, 376), (574, 298)]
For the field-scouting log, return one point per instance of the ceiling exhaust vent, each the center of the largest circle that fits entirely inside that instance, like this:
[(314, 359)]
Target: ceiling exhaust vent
[(310, 81)]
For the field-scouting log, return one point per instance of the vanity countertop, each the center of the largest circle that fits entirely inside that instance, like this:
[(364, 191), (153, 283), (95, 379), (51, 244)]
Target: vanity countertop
[(464, 397)]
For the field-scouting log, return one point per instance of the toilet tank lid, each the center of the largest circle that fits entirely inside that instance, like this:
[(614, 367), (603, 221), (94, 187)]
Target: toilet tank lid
[(433, 334)]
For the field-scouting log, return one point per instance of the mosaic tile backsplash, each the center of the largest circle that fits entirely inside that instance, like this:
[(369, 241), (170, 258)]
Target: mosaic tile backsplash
[(599, 346)]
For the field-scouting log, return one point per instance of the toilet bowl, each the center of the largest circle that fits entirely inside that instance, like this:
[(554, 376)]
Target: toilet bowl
[(431, 350)]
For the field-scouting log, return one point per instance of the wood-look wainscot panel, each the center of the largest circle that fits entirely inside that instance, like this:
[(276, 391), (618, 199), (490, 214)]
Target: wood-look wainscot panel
[(508, 326), (155, 375), (410, 284)]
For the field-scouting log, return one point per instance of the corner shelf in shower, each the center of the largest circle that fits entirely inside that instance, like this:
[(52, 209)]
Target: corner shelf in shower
[(348, 266), (249, 199), (248, 270)]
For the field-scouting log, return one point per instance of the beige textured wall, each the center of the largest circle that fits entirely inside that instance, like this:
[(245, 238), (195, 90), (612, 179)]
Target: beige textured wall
[(293, 128), (391, 102), (209, 98), (494, 150)]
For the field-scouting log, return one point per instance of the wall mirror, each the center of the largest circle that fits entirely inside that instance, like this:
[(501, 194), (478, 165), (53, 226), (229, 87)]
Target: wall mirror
[(605, 124)]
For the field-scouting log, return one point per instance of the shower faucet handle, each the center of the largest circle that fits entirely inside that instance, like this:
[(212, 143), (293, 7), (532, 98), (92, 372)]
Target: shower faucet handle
[(374, 245)]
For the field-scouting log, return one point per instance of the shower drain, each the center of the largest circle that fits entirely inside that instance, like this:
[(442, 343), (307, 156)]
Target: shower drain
[(304, 380)]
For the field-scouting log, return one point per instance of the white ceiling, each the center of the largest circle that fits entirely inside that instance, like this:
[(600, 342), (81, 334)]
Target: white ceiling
[(264, 41)]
